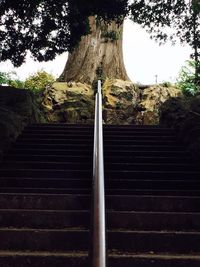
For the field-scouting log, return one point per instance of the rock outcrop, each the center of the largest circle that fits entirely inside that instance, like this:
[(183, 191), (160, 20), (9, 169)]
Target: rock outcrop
[(123, 103), (69, 103), (74, 102), (183, 114), (120, 99), (18, 107), (151, 99)]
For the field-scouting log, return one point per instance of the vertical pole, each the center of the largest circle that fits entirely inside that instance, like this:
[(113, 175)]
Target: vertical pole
[(98, 248)]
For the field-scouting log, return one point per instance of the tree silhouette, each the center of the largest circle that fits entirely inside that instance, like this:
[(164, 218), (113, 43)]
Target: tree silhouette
[(47, 28)]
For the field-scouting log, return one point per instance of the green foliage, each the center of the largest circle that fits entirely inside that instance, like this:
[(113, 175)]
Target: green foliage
[(10, 78), (110, 36), (39, 81), (3, 78), (99, 72), (48, 28), (16, 83), (170, 20), (166, 84), (187, 79), (99, 76), (35, 82)]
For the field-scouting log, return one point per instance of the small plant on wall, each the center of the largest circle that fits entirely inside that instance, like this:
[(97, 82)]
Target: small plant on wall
[(110, 36)]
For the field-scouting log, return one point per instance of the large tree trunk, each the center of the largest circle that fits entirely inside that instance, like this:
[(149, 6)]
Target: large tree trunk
[(98, 54)]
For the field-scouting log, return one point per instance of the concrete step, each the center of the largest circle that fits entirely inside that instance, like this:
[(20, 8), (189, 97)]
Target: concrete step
[(153, 203), (46, 190), (80, 259), (87, 158), (152, 198), (48, 158), (85, 146), (45, 202), (61, 152), (81, 165), (125, 128), (162, 166), (156, 241), (108, 136), (44, 219), (89, 141), (69, 174), (107, 132), (153, 184), (153, 221), (113, 202), (68, 125), (130, 241), (152, 174), (45, 182), (124, 154), (110, 183), (44, 239), (57, 125), (50, 190), (76, 219), (110, 174), (90, 132), (47, 165)]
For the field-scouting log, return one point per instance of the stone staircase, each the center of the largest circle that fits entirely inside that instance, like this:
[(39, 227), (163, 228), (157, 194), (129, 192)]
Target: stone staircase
[(152, 198)]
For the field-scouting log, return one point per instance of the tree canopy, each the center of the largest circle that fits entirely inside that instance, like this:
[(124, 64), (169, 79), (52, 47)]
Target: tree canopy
[(170, 20), (50, 27)]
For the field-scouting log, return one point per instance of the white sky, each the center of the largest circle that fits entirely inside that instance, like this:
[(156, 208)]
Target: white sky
[(144, 59)]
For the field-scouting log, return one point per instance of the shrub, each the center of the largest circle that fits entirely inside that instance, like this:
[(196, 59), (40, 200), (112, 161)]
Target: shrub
[(38, 81), (10, 78), (16, 83), (187, 80), (3, 78)]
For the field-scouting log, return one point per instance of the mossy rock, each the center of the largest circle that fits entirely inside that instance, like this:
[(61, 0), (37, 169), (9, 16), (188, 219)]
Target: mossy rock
[(183, 114), (18, 108)]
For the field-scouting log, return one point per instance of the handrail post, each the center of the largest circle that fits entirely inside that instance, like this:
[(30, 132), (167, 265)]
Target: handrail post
[(99, 87), (98, 228)]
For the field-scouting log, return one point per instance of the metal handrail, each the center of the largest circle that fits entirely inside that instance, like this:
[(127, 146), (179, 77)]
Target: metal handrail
[(98, 228)]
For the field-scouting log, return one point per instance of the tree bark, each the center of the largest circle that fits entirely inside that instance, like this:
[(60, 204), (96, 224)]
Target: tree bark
[(98, 54)]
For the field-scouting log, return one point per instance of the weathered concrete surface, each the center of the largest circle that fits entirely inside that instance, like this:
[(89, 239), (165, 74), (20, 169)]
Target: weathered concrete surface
[(18, 107), (183, 114)]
